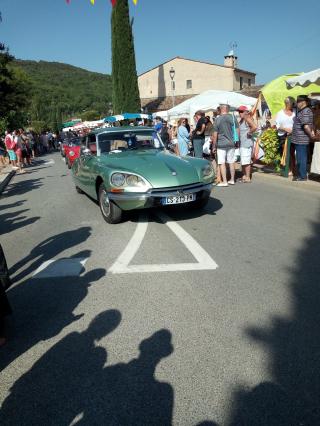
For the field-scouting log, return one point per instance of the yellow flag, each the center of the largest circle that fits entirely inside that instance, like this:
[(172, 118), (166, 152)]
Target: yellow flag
[(135, 2), (92, 1)]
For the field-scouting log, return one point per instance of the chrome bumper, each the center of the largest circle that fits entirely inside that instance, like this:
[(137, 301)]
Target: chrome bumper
[(158, 194)]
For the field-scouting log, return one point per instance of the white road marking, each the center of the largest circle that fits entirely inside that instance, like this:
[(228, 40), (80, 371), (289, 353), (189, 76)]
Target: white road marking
[(122, 264), (53, 268)]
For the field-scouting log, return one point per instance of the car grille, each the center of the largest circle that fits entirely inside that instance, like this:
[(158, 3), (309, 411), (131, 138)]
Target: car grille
[(176, 188)]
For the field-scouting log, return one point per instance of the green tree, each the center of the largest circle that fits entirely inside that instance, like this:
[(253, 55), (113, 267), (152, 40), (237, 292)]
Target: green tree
[(90, 115), (15, 88), (124, 74)]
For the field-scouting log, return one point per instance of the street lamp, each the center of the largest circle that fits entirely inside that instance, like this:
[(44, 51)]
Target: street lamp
[(172, 73)]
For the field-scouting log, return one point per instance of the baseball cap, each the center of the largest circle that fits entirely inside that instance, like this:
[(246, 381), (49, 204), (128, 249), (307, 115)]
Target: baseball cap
[(242, 108)]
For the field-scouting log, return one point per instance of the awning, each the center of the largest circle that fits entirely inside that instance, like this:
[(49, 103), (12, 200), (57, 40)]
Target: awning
[(127, 116), (277, 90), (209, 101), (305, 79)]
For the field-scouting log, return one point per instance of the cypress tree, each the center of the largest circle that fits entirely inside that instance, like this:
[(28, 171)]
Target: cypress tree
[(124, 74)]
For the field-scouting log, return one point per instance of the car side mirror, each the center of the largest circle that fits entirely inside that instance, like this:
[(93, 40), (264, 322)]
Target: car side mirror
[(86, 151)]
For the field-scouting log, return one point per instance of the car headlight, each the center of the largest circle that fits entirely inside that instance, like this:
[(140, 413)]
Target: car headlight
[(207, 171), (128, 180), (133, 180), (118, 179)]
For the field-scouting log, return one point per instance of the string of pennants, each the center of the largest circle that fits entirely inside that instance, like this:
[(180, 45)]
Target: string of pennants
[(113, 2)]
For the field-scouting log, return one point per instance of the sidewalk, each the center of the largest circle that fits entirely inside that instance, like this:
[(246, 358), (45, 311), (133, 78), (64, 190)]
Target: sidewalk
[(6, 174), (262, 171)]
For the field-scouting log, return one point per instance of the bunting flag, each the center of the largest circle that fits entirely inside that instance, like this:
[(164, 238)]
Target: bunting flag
[(113, 2)]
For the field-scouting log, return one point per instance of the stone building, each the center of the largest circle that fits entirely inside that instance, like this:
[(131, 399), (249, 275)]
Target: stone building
[(179, 79)]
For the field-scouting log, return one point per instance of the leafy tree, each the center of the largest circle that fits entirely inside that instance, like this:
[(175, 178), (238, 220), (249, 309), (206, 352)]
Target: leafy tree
[(90, 115), (124, 74), (15, 88), (65, 90)]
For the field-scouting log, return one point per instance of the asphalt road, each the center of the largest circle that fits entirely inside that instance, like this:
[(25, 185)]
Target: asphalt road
[(227, 334)]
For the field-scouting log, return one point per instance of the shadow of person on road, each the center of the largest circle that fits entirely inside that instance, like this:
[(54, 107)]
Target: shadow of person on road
[(291, 398), (70, 385), (129, 394), (49, 249), (62, 383), (13, 220), (42, 308), (20, 187), (11, 205)]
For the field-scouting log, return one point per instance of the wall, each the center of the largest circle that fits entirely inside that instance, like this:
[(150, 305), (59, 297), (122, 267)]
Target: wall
[(157, 83), (246, 77)]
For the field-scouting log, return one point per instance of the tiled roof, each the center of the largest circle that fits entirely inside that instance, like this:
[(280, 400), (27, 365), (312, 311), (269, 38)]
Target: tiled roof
[(162, 104), (194, 60)]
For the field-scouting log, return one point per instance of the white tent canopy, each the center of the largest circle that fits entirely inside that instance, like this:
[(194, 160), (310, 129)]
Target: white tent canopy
[(210, 100), (305, 79), (161, 114)]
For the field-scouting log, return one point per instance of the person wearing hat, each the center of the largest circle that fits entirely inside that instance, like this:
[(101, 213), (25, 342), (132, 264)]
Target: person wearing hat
[(246, 128), (302, 135)]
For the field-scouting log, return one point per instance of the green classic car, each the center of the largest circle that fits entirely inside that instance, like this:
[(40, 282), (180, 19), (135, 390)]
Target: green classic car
[(127, 168)]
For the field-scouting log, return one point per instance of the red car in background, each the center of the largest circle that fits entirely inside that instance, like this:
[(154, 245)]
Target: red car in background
[(72, 150)]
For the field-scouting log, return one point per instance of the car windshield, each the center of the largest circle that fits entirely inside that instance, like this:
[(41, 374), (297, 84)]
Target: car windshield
[(73, 141), (127, 141)]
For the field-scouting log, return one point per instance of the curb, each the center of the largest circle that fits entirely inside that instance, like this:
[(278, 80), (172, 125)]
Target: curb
[(274, 178), (6, 180)]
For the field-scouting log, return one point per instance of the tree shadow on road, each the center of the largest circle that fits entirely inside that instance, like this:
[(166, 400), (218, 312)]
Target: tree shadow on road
[(292, 398), (47, 250), (70, 385)]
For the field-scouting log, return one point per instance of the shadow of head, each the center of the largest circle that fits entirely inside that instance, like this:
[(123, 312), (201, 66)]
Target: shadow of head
[(104, 324), (157, 346)]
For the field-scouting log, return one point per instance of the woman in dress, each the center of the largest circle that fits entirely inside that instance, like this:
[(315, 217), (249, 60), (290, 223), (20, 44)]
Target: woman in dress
[(183, 138), (284, 123), (246, 128)]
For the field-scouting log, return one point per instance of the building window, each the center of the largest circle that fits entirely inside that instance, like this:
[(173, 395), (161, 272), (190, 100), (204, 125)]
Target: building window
[(189, 84), (249, 82), (241, 83)]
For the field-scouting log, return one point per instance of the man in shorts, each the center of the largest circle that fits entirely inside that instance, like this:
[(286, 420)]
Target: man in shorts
[(10, 146), (222, 139)]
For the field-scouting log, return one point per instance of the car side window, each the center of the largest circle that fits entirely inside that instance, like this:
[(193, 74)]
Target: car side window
[(92, 144)]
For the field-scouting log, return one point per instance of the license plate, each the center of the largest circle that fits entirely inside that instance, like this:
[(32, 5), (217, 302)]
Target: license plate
[(179, 199)]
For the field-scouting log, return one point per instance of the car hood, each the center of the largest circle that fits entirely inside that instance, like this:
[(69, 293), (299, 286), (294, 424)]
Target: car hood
[(160, 168)]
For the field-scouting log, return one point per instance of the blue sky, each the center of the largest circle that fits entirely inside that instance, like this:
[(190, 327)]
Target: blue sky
[(273, 37)]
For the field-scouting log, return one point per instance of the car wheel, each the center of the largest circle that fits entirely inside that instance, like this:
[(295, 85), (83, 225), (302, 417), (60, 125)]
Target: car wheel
[(79, 191), (110, 211), (200, 204)]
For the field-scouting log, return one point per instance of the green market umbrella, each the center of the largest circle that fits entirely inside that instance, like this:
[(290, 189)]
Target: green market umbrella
[(277, 90)]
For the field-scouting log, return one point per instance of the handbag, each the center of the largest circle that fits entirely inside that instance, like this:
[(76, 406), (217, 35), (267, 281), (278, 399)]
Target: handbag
[(234, 131), (206, 145)]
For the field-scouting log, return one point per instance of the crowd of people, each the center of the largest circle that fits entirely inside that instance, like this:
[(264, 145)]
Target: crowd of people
[(226, 137), (19, 147)]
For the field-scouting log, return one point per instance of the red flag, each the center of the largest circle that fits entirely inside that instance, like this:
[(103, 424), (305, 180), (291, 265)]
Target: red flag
[(113, 2)]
